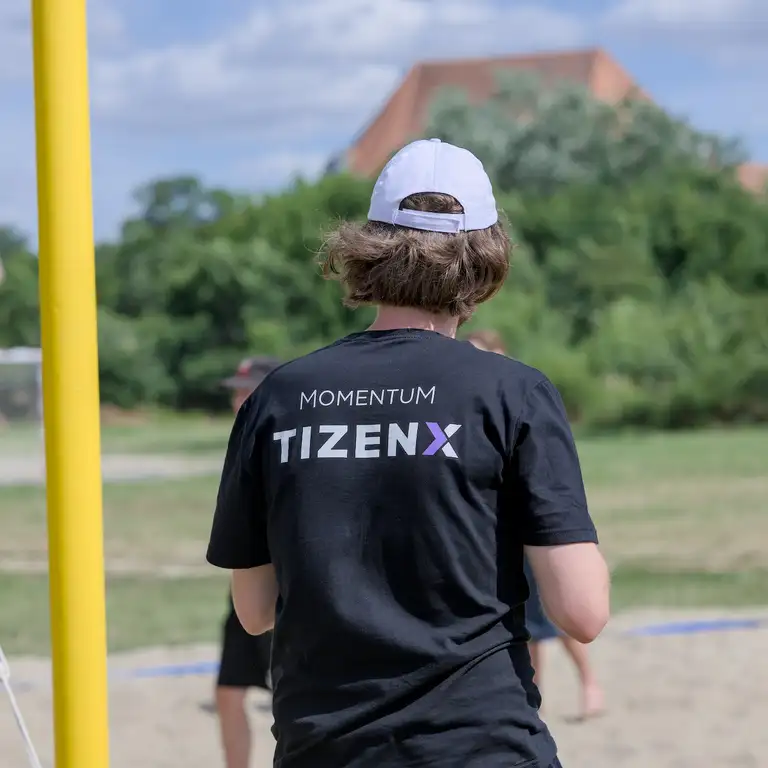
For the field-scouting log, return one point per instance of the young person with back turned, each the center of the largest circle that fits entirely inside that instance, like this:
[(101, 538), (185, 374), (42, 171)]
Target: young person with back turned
[(379, 494)]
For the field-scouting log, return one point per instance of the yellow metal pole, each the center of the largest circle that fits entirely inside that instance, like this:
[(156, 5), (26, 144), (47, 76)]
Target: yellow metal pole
[(70, 384)]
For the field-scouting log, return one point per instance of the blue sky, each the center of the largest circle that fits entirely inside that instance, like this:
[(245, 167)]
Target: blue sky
[(247, 93)]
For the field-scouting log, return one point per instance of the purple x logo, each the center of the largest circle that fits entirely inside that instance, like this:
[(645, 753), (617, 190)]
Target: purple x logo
[(440, 443)]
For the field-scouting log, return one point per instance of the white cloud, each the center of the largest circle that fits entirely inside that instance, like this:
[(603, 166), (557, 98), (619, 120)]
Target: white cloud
[(730, 31), (297, 69), (18, 203), (272, 169), (676, 12), (726, 107), (731, 35), (106, 27), (297, 78), (305, 73), (15, 49), (105, 32)]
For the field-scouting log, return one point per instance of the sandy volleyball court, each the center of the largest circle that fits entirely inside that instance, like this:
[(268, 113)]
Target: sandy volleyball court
[(682, 701)]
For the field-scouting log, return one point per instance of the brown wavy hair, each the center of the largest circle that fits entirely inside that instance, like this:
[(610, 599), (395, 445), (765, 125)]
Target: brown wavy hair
[(396, 266)]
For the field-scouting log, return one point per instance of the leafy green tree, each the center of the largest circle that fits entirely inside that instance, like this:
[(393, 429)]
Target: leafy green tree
[(19, 301), (232, 275), (703, 223), (639, 279), (535, 137), (592, 247), (131, 371)]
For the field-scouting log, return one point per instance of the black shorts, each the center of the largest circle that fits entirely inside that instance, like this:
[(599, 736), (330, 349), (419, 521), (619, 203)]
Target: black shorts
[(245, 658)]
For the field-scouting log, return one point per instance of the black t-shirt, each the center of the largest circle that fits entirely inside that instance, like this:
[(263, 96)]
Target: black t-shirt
[(392, 479)]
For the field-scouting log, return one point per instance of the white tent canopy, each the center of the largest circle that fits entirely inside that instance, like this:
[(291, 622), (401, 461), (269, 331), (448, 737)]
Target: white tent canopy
[(21, 355)]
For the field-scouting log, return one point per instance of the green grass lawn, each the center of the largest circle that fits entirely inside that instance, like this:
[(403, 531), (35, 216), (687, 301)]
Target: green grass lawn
[(151, 611), (149, 524), (683, 521), (141, 611), (151, 434)]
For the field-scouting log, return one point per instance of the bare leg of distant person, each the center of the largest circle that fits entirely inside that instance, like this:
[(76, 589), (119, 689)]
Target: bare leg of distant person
[(234, 724), (537, 659), (592, 696)]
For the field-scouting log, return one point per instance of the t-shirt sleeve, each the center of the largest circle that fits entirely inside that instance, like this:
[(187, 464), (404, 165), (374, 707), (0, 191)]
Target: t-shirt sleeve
[(549, 487), (239, 532)]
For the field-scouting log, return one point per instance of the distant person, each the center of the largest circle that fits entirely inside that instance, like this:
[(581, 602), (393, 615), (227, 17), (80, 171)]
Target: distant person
[(244, 658), (537, 622), (378, 496)]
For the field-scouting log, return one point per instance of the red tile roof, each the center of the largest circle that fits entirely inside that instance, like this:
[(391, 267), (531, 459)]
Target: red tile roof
[(405, 114), (754, 176)]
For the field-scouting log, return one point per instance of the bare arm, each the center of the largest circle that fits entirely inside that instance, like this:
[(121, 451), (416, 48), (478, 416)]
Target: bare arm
[(239, 538), (558, 533), (574, 584), (254, 592)]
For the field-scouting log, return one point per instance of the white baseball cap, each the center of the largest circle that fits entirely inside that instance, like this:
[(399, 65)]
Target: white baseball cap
[(430, 165)]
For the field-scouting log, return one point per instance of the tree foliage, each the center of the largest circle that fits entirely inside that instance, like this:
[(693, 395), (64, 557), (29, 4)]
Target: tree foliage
[(639, 280), (535, 137), (19, 312)]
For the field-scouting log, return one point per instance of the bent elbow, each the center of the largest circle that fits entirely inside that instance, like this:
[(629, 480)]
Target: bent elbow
[(587, 626), (575, 588), (254, 593), (583, 620), (256, 623), (588, 631)]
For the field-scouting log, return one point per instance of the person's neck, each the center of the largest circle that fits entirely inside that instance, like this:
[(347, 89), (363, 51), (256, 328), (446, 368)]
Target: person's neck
[(395, 318)]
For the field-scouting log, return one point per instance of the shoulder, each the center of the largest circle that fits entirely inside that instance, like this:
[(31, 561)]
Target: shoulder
[(512, 377), (281, 383), (526, 394), (297, 369)]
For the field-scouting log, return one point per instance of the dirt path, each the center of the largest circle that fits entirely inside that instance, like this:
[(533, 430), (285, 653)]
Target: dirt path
[(30, 470), (675, 702)]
